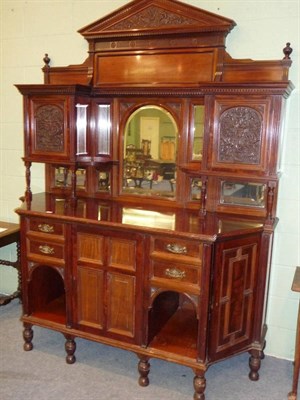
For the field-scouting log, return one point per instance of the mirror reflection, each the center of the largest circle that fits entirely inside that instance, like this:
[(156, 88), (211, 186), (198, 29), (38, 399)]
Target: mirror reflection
[(62, 177), (198, 132), (196, 186), (243, 193), (150, 150), (103, 181)]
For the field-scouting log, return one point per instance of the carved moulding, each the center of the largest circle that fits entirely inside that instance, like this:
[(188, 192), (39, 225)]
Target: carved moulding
[(49, 128), (153, 17), (240, 135)]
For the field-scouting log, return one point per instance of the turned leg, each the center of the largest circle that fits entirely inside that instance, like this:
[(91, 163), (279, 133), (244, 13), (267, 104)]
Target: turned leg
[(199, 385), (28, 336), (70, 347), (144, 369), (254, 364)]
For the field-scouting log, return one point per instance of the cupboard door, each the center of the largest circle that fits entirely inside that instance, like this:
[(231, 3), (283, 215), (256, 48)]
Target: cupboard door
[(49, 130), (107, 296), (234, 289), (121, 304), (239, 138)]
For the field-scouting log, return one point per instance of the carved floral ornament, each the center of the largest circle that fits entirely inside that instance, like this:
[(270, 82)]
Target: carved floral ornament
[(49, 128), (240, 135), (153, 17)]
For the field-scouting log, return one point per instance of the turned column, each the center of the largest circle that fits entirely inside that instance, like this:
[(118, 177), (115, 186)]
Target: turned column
[(70, 347), (144, 369)]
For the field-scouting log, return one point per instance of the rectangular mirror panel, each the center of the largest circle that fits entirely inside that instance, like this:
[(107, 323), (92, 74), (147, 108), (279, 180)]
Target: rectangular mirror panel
[(243, 193), (198, 132)]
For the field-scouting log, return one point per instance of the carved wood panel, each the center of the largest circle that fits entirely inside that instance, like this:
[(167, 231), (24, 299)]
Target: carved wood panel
[(49, 136), (153, 17), (49, 128), (240, 136)]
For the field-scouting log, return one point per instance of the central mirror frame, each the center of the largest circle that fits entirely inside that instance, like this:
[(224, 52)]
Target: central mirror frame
[(149, 153)]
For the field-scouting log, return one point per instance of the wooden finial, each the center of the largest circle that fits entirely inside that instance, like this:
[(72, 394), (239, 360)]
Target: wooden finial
[(47, 60), (287, 51)]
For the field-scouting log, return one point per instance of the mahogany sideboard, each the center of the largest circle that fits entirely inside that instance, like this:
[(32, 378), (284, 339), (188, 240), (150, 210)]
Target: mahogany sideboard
[(162, 154)]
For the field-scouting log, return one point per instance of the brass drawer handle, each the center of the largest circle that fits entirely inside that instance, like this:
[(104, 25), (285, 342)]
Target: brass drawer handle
[(46, 228), (174, 273), (176, 248), (45, 249)]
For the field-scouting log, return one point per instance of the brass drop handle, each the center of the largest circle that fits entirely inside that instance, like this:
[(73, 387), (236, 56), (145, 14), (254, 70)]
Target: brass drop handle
[(176, 248), (174, 273), (46, 228), (45, 249)]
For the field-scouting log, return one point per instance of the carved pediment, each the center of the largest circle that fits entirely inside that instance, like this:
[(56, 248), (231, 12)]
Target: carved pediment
[(153, 17), (156, 17)]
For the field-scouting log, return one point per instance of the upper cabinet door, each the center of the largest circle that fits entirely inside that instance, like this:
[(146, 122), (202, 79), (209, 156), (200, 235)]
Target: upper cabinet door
[(240, 135), (48, 135)]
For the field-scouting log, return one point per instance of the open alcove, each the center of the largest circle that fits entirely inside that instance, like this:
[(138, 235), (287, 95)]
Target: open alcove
[(173, 324), (47, 298)]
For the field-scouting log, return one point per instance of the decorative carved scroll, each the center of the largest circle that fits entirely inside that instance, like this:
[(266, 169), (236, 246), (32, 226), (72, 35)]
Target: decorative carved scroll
[(153, 17), (240, 136), (49, 128)]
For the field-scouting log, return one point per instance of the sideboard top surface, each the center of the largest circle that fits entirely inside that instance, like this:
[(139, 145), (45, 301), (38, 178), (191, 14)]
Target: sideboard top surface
[(143, 219)]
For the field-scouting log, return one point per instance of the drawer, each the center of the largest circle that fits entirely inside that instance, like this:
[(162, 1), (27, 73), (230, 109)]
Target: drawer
[(177, 247), (46, 226), (45, 252), (176, 273)]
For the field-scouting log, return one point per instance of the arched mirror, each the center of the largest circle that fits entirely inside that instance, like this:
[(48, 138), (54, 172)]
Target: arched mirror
[(150, 151)]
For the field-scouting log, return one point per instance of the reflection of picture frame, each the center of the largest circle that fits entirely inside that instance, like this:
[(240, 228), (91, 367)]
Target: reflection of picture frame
[(149, 130)]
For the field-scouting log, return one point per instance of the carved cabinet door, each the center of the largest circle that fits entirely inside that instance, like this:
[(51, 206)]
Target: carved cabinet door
[(234, 294), (48, 129), (238, 137)]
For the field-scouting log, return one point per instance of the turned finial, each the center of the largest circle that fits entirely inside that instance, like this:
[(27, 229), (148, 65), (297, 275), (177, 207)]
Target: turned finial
[(47, 60), (287, 51)]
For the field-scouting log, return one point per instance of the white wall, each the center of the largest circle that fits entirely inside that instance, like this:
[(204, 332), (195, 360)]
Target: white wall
[(30, 28)]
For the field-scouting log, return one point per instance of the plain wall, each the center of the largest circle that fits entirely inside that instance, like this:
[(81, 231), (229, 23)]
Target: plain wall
[(29, 29)]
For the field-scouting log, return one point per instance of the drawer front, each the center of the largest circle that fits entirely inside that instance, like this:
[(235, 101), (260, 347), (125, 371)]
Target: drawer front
[(46, 226), (176, 273), (177, 247), (45, 252)]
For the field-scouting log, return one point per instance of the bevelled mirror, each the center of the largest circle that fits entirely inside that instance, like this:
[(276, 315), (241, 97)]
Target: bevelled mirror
[(243, 193), (198, 132), (150, 152)]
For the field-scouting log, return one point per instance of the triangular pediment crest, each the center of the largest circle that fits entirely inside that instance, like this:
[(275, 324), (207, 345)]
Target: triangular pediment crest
[(142, 16)]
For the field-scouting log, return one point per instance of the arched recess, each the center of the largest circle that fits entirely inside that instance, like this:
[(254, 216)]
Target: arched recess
[(172, 312), (47, 297)]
